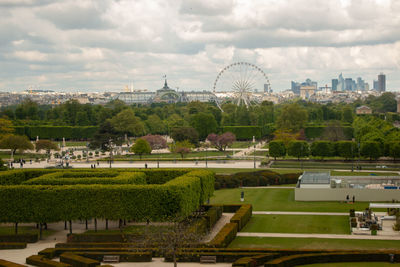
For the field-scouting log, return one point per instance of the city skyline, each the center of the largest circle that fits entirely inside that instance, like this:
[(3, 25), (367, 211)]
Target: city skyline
[(106, 45)]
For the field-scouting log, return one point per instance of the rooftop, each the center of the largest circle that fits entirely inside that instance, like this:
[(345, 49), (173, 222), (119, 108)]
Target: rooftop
[(316, 178)]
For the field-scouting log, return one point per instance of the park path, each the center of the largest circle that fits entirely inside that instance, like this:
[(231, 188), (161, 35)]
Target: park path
[(246, 151), (225, 218), (328, 236), (300, 213)]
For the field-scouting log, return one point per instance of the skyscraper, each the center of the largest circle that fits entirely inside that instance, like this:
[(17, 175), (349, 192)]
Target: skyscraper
[(375, 86), (334, 84), (381, 82)]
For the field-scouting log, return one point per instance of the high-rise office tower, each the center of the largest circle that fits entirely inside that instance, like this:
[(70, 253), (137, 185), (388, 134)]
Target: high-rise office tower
[(381, 82), (334, 84)]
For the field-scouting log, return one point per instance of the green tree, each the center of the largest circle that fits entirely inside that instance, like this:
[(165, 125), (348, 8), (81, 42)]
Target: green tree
[(127, 123), (182, 147), (155, 125), (298, 149), (82, 118), (104, 136), (346, 149), (394, 150), (371, 150), (14, 142), (347, 115), (5, 127), (321, 149), (185, 133), (141, 147), (204, 123), (45, 145), (292, 117), (277, 149)]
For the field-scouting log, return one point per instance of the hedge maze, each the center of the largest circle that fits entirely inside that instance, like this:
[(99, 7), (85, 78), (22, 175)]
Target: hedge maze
[(50, 196)]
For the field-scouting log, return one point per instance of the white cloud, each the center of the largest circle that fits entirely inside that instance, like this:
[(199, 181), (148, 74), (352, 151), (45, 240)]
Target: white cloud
[(105, 44)]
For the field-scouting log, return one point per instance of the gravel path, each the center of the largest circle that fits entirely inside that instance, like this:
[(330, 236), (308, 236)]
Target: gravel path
[(225, 218)]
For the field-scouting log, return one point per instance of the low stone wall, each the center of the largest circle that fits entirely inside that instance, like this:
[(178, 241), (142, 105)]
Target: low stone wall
[(340, 194)]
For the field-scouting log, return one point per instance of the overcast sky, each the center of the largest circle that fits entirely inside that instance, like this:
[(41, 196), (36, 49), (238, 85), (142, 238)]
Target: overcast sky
[(103, 45)]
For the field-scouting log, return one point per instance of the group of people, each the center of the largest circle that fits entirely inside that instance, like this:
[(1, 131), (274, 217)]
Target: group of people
[(348, 198), (20, 161), (93, 166)]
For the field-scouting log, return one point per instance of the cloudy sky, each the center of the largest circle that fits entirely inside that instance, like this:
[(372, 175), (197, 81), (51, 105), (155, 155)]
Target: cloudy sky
[(99, 45)]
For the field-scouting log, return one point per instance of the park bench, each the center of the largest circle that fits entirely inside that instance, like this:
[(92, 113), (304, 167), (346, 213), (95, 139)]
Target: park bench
[(111, 258), (208, 259)]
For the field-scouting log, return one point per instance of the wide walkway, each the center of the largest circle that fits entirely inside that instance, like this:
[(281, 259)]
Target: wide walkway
[(232, 164)]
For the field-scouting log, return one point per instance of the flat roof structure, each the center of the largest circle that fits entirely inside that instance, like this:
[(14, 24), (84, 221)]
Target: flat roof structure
[(315, 178), (385, 205)]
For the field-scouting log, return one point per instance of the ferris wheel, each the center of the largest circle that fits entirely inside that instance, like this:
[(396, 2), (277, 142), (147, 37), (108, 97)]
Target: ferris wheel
[(239, 81)]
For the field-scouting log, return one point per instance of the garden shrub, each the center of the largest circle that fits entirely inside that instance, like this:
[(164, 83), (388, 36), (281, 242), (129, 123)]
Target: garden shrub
[(19, 238), (212, 215), (12, 245), (188, 256), (77, 260), (354, 256), (4, 263), (143, 256), (42, 261), (94, 178), (225, 236), (243, 132), (242, 216), (179, 196)]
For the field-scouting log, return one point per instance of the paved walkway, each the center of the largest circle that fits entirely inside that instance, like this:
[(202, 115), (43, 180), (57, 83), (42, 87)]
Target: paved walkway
[(225, 218), (300, 213), (329, 236), (247, 151)]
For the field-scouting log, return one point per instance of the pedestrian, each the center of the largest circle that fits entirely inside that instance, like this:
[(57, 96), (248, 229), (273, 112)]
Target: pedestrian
[(347, 198), (354, 199), (242, 196), (21, 164), (31, 161), (97, 163), (145, 165)]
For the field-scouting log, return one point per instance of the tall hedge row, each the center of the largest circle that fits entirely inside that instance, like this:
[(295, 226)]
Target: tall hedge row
[(57, 179), (313, 132), (243, 132), (57, 132), (51, 203)]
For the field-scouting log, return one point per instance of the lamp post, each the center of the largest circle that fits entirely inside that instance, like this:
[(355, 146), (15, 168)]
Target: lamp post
[(111, 150), (254, 153)]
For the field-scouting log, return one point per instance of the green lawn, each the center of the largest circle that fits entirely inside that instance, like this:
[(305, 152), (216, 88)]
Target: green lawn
[(353, 264), (312, 243), (299, 224), (75, 143), (273, 199)]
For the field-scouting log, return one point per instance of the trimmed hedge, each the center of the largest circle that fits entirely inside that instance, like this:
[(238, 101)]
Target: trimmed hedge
[(56, 252), (42, 261), (243, 132), (195, 256), (144, 256), (14, 177), (258, 178), (242, 216), (313, 132), (4, 263), (12, 245), (19, 238), (225, 236), (177, 197), (255, 260), (70, 179), (303, 259), (212, 215), (77, 260), (97, 238), (57, 132)]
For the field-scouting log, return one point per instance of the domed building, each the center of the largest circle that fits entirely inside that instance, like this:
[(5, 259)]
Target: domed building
[(166, 95)]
